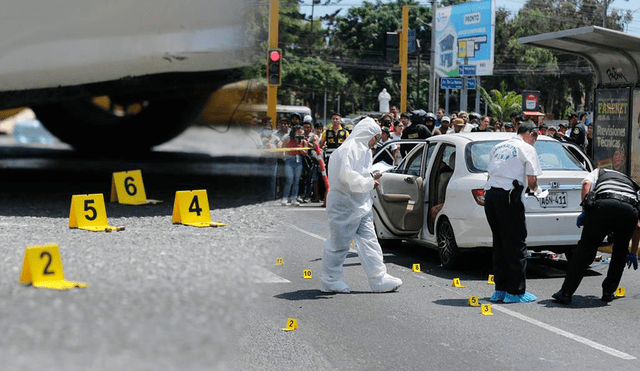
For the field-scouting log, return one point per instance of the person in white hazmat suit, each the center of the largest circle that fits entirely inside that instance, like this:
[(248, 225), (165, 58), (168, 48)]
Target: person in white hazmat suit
[(350, 215)]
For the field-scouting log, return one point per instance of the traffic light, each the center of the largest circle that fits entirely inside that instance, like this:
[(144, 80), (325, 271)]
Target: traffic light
[(274, 69), (392, 47)]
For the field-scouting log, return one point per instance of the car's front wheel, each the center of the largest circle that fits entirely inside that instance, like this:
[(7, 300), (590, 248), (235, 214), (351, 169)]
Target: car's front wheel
[(116, 126), (447, 247)]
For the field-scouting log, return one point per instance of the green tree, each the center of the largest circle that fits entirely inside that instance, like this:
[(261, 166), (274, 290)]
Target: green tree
[(357, 43), (310, 77), (502, 103)]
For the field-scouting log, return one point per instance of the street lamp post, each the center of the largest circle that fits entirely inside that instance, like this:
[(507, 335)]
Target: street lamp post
[(432, 59)]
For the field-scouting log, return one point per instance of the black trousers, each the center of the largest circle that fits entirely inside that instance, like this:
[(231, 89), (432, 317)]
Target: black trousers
[(605, 217), (507, 222)]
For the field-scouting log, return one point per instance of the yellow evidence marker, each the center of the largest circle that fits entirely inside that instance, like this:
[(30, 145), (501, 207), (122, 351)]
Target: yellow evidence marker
[(620, 292), (416, 268), (485, 310), (456, 283), (490, 280), (88, 212), (292, 324), (42, 267), (473, 301), (306, 273), (192, 208), (279, 261), (127, 188)]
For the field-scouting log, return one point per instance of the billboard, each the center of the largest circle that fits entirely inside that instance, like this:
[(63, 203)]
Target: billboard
[(465, 31), (611, 129), (635, 138)]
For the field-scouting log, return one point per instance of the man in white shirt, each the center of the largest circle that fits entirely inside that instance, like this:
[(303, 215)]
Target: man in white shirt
[(513, 164)]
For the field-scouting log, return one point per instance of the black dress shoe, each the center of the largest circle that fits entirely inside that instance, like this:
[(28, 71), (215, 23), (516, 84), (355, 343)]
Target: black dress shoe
[(561, 297), (607, 297)]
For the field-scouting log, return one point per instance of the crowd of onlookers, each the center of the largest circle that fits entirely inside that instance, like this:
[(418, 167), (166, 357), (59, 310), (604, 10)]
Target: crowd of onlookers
[(302, 171)]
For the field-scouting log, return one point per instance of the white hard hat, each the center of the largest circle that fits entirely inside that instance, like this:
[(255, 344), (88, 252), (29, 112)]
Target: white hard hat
[(308, 119)]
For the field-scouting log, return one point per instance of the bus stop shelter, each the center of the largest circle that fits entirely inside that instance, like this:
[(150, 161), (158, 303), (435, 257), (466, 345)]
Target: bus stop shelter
[(615, 58)]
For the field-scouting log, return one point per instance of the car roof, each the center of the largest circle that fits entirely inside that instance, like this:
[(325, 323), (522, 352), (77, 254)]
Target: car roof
[(481, 136)]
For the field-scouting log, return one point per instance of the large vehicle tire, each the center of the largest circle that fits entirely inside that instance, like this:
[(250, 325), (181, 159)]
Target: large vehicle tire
[(447, 248), (121, 127)]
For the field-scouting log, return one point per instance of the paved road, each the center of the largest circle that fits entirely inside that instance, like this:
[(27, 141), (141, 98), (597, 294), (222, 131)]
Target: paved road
[(181, 298), (428, 324)]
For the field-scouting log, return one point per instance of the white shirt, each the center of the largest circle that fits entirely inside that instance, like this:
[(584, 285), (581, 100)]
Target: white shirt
[(511, 160)]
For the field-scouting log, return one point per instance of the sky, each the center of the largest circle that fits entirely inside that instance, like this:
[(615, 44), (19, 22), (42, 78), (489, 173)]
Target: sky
[(511, 5)]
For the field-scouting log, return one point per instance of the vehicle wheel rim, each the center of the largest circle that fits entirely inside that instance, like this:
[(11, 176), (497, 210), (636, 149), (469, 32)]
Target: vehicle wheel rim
[(445, 236)]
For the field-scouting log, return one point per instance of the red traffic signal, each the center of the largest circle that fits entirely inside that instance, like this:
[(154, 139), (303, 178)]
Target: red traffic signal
[(274, 69), (274, 55)]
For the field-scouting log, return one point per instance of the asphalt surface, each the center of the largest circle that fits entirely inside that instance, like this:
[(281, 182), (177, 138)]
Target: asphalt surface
[(173, 297)]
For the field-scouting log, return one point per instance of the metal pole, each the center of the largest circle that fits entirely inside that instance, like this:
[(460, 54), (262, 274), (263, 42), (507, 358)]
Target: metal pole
[(477, 94), (325, 107), (272, 90), (418, 82), (432, 52), (446, 101), (404, 41)]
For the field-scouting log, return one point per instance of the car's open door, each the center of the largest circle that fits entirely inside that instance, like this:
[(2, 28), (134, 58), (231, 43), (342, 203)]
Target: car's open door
[(399, 198)]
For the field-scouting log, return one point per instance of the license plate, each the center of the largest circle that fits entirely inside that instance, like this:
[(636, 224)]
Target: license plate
[(554, 199)]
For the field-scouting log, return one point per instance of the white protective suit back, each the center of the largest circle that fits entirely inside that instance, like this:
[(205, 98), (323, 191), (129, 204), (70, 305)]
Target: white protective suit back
[(350, 181)]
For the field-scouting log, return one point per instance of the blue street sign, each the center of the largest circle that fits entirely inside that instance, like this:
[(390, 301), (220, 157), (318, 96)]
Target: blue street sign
[(456, 83), (412, 41), (467, 70)]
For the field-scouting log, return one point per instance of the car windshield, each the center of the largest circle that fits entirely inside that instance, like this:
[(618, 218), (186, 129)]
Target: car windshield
[(552, 156)]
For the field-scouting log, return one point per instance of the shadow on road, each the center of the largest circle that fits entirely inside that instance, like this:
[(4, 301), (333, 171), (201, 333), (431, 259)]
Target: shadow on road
[(40, 181)]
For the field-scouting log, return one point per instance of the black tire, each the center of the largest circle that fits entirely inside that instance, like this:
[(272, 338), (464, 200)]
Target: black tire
[(447, 248), (92, 128)]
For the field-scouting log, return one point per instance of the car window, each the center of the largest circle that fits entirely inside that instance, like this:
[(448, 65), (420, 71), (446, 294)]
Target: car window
[(551, 154), (411, 165)]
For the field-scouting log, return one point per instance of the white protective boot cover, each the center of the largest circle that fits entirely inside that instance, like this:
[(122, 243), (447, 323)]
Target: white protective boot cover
[(386, 283)]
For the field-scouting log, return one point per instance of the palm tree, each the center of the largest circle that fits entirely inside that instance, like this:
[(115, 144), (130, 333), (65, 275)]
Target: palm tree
[(502, 104)]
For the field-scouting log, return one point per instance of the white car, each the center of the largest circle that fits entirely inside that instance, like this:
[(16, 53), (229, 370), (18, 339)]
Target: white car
[(118, 75), (435, 196)]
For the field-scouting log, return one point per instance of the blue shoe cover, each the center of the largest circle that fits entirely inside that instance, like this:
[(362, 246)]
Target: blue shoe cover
[(498, 296), (524, 298)]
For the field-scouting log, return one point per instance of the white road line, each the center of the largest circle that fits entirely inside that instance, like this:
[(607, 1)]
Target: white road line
[(580, 339), (323, 239), (555, 330), (262, 275)]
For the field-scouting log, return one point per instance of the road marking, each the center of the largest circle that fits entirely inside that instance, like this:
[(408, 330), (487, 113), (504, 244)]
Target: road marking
[(323, 239), (262, 275), (580, 339)]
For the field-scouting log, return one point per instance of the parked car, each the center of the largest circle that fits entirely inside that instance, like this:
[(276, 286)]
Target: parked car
[(120, 75), (435, 196)]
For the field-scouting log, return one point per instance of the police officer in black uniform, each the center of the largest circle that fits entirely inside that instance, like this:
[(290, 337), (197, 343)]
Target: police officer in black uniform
[(610, 203), (416, 130), (577, 134)]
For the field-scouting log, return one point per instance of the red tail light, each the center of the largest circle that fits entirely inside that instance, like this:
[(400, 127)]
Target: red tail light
[(478, 195)]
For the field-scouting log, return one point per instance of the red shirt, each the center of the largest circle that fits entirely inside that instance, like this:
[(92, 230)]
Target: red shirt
[(292, 143)]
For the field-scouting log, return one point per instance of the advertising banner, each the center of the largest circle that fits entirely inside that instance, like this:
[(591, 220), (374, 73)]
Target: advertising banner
[(611, 129), (635, 137), (465, 31)]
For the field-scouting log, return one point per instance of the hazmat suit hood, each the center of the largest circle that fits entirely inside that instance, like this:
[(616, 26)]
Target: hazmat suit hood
[(350, 180)]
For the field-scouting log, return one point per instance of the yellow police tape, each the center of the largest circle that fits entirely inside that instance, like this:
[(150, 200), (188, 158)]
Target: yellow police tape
[(284, 149)]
